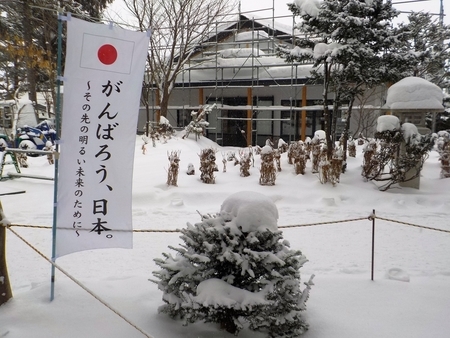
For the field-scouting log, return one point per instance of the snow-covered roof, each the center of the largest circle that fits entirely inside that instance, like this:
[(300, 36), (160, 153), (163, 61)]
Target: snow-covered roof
[(239, 67), (414, 94), (245, 28)]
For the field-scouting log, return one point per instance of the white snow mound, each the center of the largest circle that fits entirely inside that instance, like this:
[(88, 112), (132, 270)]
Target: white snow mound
[(388, 123), (216, 292), (252, 211), (397, 274), (415, 93)]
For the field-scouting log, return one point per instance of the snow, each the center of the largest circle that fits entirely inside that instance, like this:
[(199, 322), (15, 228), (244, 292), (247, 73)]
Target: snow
[(413, 93), (297, 51), (344, 302), (320, 134), (252, 211), (310, 7), (322, 49), (269, 67), (240, 52), (388, 123), (410, 133), (217, 292), (251, 36)]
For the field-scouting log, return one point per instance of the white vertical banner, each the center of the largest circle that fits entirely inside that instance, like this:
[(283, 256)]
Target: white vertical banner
[(103, 75)]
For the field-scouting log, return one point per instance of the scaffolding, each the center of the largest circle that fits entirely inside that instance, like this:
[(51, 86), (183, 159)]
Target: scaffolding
[(243, 91)]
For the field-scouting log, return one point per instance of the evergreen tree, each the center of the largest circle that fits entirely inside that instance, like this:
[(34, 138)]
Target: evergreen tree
[(429, 41), (28, 42), (235, 266), (353, 46)]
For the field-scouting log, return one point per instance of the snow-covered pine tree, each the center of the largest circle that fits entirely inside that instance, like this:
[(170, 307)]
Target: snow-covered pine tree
[(353, 46), (236, 270), (429, 43)]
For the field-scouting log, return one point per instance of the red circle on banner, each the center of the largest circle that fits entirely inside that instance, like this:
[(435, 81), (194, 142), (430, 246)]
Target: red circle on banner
[(107, 54)]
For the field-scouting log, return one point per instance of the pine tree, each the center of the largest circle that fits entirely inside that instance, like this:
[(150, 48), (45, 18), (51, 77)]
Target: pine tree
[(28, 44), (252, 273), (429, 43), (353, 46)]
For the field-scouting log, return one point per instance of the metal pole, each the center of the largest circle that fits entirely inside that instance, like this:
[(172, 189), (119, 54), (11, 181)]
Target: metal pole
[(58, 133), (373, 242)]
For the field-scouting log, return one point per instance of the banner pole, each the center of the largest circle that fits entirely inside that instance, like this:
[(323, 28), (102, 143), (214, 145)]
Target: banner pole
[(58, 137), (373, 245)]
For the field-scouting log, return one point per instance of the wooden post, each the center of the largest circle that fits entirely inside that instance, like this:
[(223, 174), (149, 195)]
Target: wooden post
[(5, 287), (249, 117), (303, 127)]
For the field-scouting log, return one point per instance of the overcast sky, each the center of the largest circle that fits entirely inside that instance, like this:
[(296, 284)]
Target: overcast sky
[(265, 7)]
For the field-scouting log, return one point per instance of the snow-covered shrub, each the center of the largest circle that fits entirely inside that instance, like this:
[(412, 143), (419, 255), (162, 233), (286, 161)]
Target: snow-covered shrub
[(236, 270), (198, 124), (370, 163), (352, 148), (445, 164), (336, 165), (298, 155), (442, 141), (308, 147), (282, 146), (401, 152), (316, 145), (277, 157), (208, 165), (144, 145), (245, 160), (267, 171), (174, 164), (324, 165), (160, 132)]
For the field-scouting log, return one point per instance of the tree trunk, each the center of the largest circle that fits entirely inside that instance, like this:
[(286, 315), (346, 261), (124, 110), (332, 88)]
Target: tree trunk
[(164, 103), (5, 287), (326, 112), (346, 133), (31, 74), (336, 106)]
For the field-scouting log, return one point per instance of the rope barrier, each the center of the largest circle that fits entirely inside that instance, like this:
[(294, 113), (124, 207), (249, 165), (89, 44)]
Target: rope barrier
[(280, 227), (410, 224), (321, 223), (77, 282), (371, 217), (119, 230)]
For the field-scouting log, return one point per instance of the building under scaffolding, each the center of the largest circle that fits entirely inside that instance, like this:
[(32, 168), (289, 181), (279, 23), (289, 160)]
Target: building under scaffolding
[(257, 95)]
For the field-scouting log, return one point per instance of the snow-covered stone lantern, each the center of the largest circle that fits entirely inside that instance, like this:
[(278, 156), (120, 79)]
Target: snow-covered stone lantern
[(411, 98)]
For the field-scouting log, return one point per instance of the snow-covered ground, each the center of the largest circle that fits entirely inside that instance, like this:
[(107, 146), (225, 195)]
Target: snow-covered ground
[(409, 297)]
